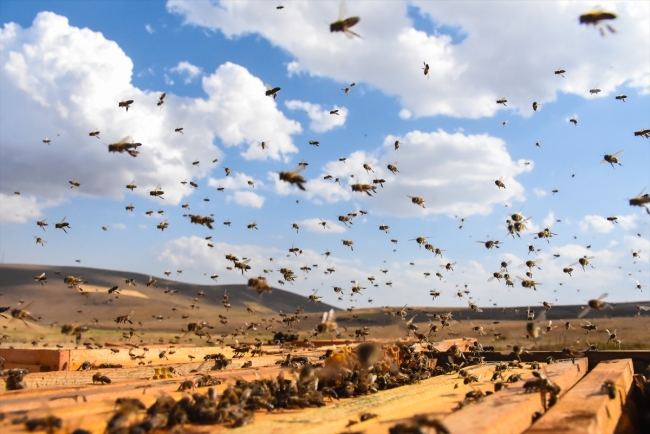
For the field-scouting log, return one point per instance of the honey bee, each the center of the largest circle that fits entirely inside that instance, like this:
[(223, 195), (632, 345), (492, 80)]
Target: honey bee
[(62, 225), (620, 97), (417, 200), (496, 275), (94, 133), (328, 323), (637, 254), (379, 181), (102, 379), (126, 144), (162, 225), (535, 105), (348, 243), (74, 183), (125, 103), (499, 183), (545, 233), (531, 264), (178, 130), (47, 141), (393, 168), (364, 188), (502, 101), (596, 17), (596, 304), (42, 224), (347, 89), (40, 241), (528, 283), (448, 266), (343, 25), (323, 223), (260, 285), (490, 244), (41, 279), (574, 120), (271, 91), (157, 192), (252, 225), (243, 266), (612, 158), (642, 133), (384, 227), (584, 261), (641, 200), (334, 112), (161, 99), (426, 72), (560, 72), (294, 177), (594, 91), (151, 282)]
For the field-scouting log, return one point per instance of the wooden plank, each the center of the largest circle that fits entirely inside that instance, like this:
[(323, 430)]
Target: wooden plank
[(48, 359), (586, 408), (640, 358), (511, 410)]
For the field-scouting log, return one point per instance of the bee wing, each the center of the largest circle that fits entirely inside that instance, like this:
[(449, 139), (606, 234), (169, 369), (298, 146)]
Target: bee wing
[(41, 276), (584, 312), (575, 263), (644, 307), (618, 153), (246, 261), (124, 140), (343, 9), (604, 295), (62, 220), (158, 187), (539, 261), (268, 86), (452, 264)]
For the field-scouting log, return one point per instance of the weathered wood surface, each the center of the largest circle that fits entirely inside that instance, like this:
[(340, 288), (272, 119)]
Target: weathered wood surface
[(512, 409), (586, 408)]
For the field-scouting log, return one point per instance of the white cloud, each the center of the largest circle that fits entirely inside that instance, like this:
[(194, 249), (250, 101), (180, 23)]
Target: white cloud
[(321, 119), (405, 114), (247, 198), (16, 208), (443, 165), (596, 223), (464, 79), (149, 29), (186, 69), (118, 226), (70, 79), (539, 192), (316, 226)]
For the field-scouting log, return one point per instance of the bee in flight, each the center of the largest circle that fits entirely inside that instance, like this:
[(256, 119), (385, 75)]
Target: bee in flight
[(272, 91), (612, 158), (426, 71), (343, 25), (294, 177), (94, 133), (596, 17), (125, 103)]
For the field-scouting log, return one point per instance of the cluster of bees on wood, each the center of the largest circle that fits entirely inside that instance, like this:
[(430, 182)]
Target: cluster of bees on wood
[(341, 373)]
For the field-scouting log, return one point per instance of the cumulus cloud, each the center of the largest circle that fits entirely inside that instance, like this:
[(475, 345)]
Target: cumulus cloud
[(20, 209), (316, 226), (186, 69), (602, 225), (69, 79), (465, 80), (539, 192), (246, 198), (454, 173), (321, 119), (149, 29)]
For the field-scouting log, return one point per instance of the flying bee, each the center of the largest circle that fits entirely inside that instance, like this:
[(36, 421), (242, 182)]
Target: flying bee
[(499, 183), (125, 103), (271, 91), (419, 240), (74, 183), (638, 286), (42, 224), (328, 323), (535, 105), (348, 243), (47, 141), (642, 133), (532, 329), (178, 130), (260, 285), (574, 120), (347, 89), (161, 99), (294, 177), (343, 25), (596, 304), (475, 308), (526, 283), (620, 97), (497, 276), (41, 279), (448, 266), (596, 17), (379, 181), (545, 233), (364, 188), (594, 91), (426, 72), (334, 112), (584, 261), (393, 168), (62, 225), (502, 101), (315, 298), (612, 158), (243, 266), (94, 133), (560, 72), (637, 254), (196, 163), (490, 244), (641, 200), (417, 200), (567, 270), (131, 186), (40, 241), (531, 264), (163, 225), (125, 144), (252, 225), (151, 282), (157, 192)]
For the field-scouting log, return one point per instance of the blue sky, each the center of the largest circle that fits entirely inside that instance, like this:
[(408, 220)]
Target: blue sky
[(66, 64)]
